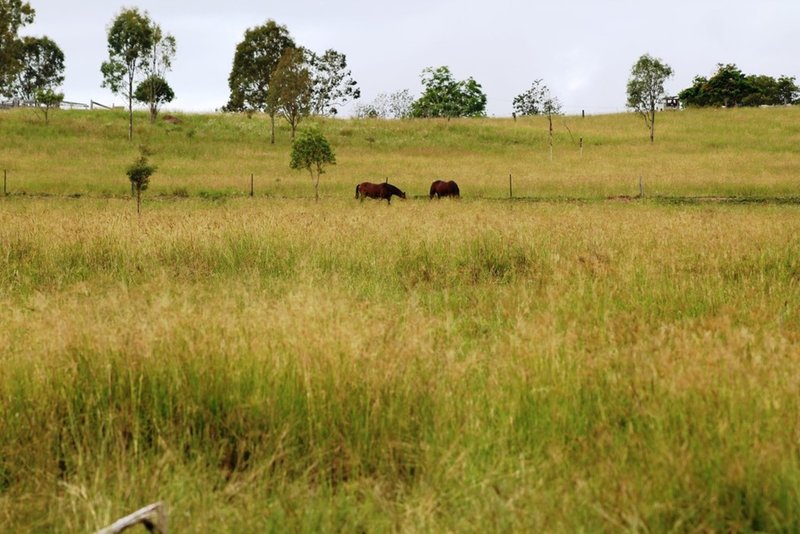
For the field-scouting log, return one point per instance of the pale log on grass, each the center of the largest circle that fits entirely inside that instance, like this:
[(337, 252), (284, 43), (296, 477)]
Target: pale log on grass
[(153, 517)]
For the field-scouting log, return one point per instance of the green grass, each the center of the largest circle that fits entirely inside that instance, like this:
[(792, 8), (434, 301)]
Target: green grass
[(744, 152), (279, 364)]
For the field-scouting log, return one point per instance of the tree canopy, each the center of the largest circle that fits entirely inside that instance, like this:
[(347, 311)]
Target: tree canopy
[(42, 67), (254, 62), (14, 14), (730, 87), (444, 96)]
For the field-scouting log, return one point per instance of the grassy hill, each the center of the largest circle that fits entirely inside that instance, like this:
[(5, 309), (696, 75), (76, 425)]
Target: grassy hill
[(276, 363), (737, 152)]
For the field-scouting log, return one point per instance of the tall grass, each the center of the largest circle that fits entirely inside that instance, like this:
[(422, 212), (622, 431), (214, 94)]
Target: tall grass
[(265, 364)]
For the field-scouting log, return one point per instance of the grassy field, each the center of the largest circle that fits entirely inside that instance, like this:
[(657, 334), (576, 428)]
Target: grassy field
[(743, 152), (566, 363)]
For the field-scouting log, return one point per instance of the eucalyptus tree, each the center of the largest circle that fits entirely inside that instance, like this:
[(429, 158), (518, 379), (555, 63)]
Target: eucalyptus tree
[(14, 14), (40, 75), (538, 100), (332, 82), (130, 43), (154, 87), (290, 90), (42, 67), (646, 88)]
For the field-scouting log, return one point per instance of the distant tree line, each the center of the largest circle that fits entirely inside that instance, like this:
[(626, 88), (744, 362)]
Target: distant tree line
[(730, 87), (273, 74)]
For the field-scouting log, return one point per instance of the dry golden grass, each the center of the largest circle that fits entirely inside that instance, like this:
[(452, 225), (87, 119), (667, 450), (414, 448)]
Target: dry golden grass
[(277, 363), (265, 363)]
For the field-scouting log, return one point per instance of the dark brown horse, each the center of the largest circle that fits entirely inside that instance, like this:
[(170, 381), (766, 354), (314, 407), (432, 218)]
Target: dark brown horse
[(440, 189), (382, 191)]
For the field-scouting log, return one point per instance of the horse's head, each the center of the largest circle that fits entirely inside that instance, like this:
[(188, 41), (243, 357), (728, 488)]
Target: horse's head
[(402, 195)]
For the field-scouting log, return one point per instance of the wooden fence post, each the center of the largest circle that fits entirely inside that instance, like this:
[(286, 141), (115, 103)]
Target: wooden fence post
[(251, 185), (510, 190), (581, 146), (5, 190)]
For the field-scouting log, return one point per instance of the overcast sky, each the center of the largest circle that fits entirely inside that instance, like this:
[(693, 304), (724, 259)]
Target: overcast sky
[(582, 49)]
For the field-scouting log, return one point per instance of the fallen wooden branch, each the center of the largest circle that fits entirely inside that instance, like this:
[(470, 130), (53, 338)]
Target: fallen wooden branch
[(153, 517)]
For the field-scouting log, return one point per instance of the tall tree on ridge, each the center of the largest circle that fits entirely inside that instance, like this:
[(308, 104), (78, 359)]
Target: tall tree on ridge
[(254, 63), (646, 89), (130, 41)]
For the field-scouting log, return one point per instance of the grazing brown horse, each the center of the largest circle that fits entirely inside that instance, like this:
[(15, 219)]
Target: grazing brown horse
[(440, 189), (382, 191)]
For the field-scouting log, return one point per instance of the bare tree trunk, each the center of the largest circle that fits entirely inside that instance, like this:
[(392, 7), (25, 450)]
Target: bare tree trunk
[(272, 121), (138, 201), (652, 122), (130, 108)]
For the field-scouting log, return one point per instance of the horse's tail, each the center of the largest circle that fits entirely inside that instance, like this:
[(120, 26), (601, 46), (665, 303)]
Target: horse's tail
[(357, 190)]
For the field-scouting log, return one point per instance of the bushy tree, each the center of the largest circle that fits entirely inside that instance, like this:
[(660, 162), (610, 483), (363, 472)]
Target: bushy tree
[(42, 67), (787, 91), (311, 151), (130, 42), (646, 89), (254, 63), (332, 83), (14, 14), (730, 87), (444, 96), (154, 91), (139, 175)]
